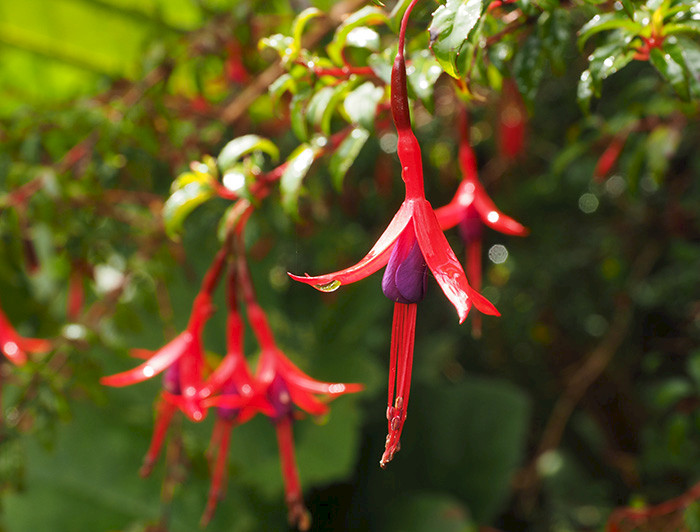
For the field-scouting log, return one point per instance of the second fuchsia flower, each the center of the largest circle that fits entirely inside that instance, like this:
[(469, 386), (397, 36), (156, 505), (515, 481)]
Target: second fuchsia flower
[(470, 209)]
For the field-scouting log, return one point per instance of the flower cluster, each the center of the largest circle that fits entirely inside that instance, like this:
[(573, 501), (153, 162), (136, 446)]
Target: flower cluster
[(231, 389)]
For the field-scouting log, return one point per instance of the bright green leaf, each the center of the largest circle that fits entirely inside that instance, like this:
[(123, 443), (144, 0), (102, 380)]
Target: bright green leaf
[(346, 154), (605, 22), (181, 203), (449, 30), (363, 37), (367, 16), (361, 104), (300, 22), (671, 71), (244, 145), (298, 164), (422, 75)]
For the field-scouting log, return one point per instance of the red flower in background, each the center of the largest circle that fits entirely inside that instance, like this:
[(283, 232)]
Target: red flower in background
[(15, 347), (512, 121), (471, 209)]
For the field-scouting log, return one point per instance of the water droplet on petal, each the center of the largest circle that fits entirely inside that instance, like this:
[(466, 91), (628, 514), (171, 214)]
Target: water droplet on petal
[(148, 371), (246, 389), (492, 217), (328, 287), (190, 391)]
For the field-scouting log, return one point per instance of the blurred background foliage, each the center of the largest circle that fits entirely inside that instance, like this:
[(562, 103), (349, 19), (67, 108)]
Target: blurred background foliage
[(581, 398)]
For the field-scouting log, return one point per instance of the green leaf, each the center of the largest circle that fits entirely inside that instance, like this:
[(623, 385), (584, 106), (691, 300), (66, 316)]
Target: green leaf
[(244, 145), (281, 85), (628, 6), (283, 44), (671, 71), (476, 450), (661, 144), (298, 164), (324, 103), (605, 22), (181, 203), (367, 16), (528, 67), (449, 30), (423, 72), (427, 511), (361, 104), (397, 14), (297, 114), (346, 154), (688, 26), (363, 37), (300, 22), (554, 29)]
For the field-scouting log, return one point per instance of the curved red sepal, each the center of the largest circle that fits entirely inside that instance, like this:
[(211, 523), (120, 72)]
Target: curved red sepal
[(158, 363), (377, 257)]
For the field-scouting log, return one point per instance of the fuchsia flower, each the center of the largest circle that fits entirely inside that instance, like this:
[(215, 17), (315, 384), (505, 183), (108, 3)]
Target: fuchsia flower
[(284, 386), (471, 209), (16, 347), (184, 354), (412, 243)]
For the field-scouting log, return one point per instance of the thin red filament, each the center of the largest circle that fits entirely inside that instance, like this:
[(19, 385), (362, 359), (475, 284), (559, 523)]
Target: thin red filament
[(401, 364)]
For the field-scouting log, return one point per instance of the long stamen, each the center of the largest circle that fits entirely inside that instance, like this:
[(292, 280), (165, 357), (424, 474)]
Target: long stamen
[(402, 343), (164, 415), (473, 261), (298, 515), (219, 445)]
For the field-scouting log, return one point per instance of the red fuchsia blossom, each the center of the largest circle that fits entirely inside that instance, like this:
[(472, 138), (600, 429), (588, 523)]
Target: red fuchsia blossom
[(471, 208), (285, 386), (239, 399), (185, 352), (16, 347), (412, 242)]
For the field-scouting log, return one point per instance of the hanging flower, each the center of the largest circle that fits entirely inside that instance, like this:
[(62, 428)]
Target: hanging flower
[(16, 347), (471, 209), (412, 243), (186, 350)]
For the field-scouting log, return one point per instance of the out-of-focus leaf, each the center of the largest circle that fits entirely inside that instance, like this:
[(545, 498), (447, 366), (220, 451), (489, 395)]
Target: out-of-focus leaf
[(297, 114), (300, 22), (367, 16), (323, 105), (282, 44), (363, 37), (604, 22), (361, 104), (346, 154), (474, 450), (426, 511), (281, 85), (449, 30), (298, 164), (662, 144), (238, 147), (181, 203), (671, 71), (554, 29), (528, 67), (422, 75)]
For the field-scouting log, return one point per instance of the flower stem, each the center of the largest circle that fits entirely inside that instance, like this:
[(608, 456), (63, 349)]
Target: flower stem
[(401, 364)]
